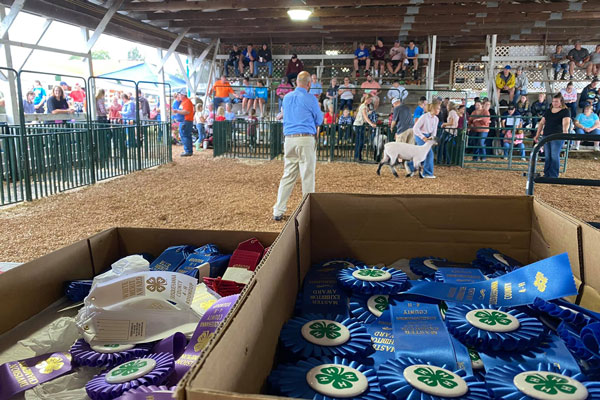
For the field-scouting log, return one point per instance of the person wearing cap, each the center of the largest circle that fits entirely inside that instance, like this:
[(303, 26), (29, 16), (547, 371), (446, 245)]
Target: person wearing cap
[(579, 57), (505, 83), (396, 62), (301, 117), (401, 118), (186, 108), (233, 61), (521, 83), (361, 59), (294, 67), (397, 91), (265, 59)]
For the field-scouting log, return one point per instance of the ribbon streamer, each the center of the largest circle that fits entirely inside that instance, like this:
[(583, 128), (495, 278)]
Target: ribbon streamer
[(174, 344), (459, 275), (488, 329), (171, 258), (570, 334), (429, 378), (99, 387), (321, 293), (149, 393), (301, 337), (368, 280), (83, 354), (545, 379), (336, 374)]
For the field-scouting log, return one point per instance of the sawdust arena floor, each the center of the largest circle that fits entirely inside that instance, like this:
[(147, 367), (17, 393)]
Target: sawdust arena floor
[(202, 192)]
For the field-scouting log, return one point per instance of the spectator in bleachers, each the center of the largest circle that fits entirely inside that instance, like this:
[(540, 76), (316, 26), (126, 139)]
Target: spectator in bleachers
[(331, 95), (361, 120), (473, 106), (265, 58), (556, 120), (57, 103), (40, 97), (579, 58), (538, 109), (329, 116), (229, 114), (101, 113), (345, 124), (569, 95), (316, 89), (595, 60), (233, 61), (361, 59), (114, 111), (426, 129), (505, 83), (78, 97), (397, 91), (511, 121), (401, 117), (294, 67), (262, 96), (479, 120), (379, 52), (248, 59), (589, 95), (396, 62), (486, 104), (222, 91), (370, 87), (412, 55), (524, 109), (248, 96), (559, 62), (199, 121), (521, 83), (284, 88), (587, 123), (346, 92), (28, 106), (420, 109), (220, 114)]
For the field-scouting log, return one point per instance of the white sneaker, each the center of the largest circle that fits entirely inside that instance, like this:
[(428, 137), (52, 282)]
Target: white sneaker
[(523, 159), (597, 148), (429, 176)]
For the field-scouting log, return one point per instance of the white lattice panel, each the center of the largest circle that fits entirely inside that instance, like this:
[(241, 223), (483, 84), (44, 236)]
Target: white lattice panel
[(533, 51), (469, 76)]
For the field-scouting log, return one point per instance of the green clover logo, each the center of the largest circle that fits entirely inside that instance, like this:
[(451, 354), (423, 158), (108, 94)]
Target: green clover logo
[(129, 368), (492, 318), (336, 377), (371, 272), (551, 384), (433, 378), (381, 303), (320, 329), (474, 355)]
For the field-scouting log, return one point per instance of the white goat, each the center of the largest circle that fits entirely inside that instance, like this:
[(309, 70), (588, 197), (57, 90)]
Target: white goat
[(395, 152)]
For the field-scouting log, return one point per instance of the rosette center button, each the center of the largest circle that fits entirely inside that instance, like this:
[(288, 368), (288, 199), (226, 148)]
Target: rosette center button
[(372, 275), (337, 381), (544, 385), (493, 320), (435, 381), (325, 332)]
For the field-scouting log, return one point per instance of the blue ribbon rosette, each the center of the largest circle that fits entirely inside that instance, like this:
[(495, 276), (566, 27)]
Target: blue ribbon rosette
[(149, 392), (369, 280), (412, 378), (425, 266), (106, 355), (77, 290), (496, 261), (152, 369), (570, 335), (315, 335), (494, 328), (367, 308), (346, 262), (326, 379), (546, 381)]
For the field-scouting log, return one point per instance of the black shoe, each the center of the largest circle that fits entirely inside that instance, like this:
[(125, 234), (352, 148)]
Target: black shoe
[(563, 76), (185, 155), (556, 75), (277, 218)]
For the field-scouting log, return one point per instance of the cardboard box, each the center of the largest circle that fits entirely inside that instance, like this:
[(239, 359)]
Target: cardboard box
[(32, 287), (379, 229)]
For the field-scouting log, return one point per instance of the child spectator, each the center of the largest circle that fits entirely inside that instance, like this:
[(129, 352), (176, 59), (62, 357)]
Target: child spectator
[(199, 121), (523, 108), (379, 52), (420, 110), (248, 95), (262, 94), (361, 59), (570, 96), (229, 115), (345, 122), (251, 129), (559, 62), (328, 118), (220, 114), (283, 89), (511, 121)]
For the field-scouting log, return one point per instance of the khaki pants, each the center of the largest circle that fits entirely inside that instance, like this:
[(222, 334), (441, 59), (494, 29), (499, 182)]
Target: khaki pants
[(406, 137), (299, 158)]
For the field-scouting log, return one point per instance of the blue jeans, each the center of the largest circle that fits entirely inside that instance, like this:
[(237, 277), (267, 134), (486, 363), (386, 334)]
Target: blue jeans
[(573, 109), (263, 64), (185, 133), (480, 143), (558, 67), (428, 163), (234, 64), (518, 93), (218, 100), (359, 142), (200, 128), (552, 158), (346, 103), (516, 146)]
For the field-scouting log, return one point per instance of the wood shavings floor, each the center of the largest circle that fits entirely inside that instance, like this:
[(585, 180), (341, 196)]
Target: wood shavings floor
[(202, 192)]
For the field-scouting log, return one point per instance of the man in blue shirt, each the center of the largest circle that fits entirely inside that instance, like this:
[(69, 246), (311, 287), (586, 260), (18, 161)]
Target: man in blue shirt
[(412, 56), (361, 59), (248, 58), (316, 89), (301, 117)]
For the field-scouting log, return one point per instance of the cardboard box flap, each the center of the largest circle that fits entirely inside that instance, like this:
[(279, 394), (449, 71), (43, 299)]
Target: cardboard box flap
[(590, 243)]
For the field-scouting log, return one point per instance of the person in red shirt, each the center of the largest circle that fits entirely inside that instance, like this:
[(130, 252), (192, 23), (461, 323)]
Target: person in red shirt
[(220, 114), (186, 108), (328, 117), (294, 67), (113, 111), (78, 97)]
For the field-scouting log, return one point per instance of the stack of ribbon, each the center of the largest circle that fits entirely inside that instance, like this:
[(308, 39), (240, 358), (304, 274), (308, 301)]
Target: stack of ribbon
[(489, 329)]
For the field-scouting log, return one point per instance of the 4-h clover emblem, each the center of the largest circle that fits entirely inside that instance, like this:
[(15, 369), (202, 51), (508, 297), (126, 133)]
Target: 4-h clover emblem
[(50, 365), (130, 370), (381, 303), (322, 329), (540, 282), (435, 381), (371, 272), (436, 377), (202, 341), (337, 380), (492, 320), (156, 284), (337, 377), (549, 385)]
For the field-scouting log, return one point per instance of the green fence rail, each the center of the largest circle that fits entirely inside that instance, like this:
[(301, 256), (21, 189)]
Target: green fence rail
[(264, 140)]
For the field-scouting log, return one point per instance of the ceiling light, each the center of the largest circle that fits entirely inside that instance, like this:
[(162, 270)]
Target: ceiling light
[(299, 14)]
